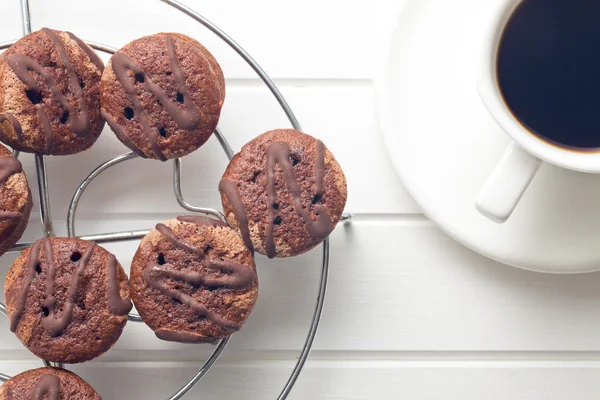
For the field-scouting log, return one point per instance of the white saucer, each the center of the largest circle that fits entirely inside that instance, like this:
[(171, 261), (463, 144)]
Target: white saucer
[(444, 145)]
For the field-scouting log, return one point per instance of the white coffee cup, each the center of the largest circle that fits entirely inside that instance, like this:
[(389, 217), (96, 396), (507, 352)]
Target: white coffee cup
[(524, 155)]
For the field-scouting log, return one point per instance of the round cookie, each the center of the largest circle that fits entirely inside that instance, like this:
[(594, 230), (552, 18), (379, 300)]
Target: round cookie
[(193, 280), (67, 299), (43, 383), (15, 200), (162, 95), (50, 94), (284, 192)]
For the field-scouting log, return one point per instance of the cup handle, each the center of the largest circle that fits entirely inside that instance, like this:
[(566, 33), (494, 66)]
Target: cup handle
[(507, 184)]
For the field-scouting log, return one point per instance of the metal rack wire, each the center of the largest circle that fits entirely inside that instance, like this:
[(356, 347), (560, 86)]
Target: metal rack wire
[(48, 229)]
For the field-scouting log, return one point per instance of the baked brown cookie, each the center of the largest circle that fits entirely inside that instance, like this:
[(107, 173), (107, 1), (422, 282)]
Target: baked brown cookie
[(193, 280), (50, 94), (15, 200), (284, 192), (162, 95), (67, 299), (47, 383)]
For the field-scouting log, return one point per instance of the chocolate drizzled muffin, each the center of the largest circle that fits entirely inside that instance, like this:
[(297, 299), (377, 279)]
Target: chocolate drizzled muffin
[(284, 192), (50, 94), (193, 280), (47, 383), (67, 299), (15, 200), (162, 95)]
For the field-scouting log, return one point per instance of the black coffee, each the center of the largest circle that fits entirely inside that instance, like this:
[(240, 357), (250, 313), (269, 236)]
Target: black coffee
[(549, 70)]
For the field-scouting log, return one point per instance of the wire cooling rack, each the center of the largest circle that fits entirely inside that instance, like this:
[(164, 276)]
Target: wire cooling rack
[(48, 229)]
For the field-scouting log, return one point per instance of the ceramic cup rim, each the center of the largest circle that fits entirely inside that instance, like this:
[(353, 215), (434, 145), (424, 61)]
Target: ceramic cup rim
[(489, 90)]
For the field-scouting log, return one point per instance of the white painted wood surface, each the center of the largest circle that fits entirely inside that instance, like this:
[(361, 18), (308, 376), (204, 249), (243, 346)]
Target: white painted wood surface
[(410, 314)]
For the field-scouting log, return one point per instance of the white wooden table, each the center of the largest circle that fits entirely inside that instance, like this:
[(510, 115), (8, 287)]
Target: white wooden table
[(410, 314)]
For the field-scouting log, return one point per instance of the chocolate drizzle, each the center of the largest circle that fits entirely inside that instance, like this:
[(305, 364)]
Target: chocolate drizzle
[(279, 153), (54, 325), (49, 385), (319, 169), (153, 274), (90, 53), (9, 166), (23, 65), (231, 192), (119, 130), (166, 231), (239, 276), (187, 118), (49, 146), (15, 124), (10, 215), (116, 304), (182, 337), (200, 220), (22, 296), (79, 124), (50, 300)]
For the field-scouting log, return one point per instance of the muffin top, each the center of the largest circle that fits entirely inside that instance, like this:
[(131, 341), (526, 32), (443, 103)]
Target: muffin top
[(284, 192), (162, 95), (50, 94), (67, 299), (47, 383), (15, 200), (193, 280)]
